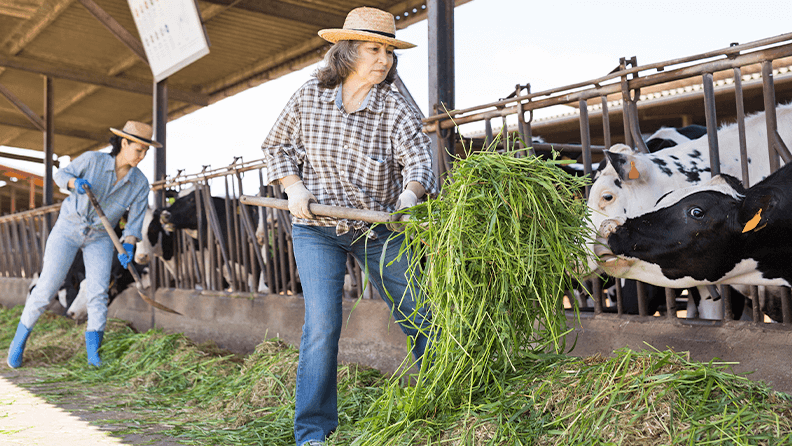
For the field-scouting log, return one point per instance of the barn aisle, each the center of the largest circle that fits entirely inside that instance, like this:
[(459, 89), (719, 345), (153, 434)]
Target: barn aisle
[(27, 419)]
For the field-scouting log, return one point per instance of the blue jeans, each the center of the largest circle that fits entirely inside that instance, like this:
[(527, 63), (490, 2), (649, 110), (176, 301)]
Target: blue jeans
[(62, 244), (321, 261)]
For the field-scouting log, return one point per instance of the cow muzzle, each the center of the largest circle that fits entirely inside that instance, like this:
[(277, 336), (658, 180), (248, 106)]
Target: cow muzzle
[(609, 262), (165, 221)]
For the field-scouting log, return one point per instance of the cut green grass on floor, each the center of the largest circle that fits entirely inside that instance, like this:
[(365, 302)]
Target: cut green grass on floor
[(497, 245)]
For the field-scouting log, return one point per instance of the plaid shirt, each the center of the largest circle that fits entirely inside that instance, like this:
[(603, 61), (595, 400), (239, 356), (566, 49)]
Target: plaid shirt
[(358, 160)]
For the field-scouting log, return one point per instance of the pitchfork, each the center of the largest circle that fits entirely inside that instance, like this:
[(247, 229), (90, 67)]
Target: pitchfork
[(111, 232)]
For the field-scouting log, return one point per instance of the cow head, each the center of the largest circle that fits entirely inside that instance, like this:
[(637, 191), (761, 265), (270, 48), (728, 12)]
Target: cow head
[(698, 236), (181, 214), (632, 182), (621, 187), (675, 235), (156, 242)]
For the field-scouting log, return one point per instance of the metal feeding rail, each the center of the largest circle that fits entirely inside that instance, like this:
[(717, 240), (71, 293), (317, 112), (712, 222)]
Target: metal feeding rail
[(626, 81), (240, 257)]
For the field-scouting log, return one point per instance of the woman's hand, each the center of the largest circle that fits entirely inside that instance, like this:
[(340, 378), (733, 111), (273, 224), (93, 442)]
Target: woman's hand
[(126, 257), (407, 199), (299, 197), (81, 185)]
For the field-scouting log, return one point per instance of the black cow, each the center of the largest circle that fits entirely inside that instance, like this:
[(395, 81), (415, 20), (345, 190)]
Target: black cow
[(159, 231), (717, 232)]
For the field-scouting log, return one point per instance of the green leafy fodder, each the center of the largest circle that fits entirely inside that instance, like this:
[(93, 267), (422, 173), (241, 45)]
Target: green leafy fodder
[(497, 244), (203, 395)]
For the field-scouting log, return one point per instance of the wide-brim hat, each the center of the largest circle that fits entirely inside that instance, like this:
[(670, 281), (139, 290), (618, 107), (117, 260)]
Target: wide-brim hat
[(137, 132), (367, 24)]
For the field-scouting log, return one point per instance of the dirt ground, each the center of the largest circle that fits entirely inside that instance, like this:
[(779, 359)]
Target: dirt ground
[(34, 413)]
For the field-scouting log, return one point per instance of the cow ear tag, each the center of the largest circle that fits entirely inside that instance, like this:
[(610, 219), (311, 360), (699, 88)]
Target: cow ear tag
[(633, 171), (753, 222)]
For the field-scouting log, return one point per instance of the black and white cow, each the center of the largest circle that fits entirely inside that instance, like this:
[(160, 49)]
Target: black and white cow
[(717, 232), (629, 183), (159, 229), (666, 137)]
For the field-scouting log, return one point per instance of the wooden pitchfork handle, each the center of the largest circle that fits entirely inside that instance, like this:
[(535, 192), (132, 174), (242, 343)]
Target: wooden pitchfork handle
[(120, 247), (323, 209)]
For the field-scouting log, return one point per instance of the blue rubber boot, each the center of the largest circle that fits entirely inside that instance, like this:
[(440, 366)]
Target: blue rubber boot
[(93, 339), (18, 346)]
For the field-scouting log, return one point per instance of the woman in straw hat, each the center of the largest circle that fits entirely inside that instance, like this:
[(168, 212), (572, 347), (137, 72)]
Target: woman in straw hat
[(119, 185), (346, 138)]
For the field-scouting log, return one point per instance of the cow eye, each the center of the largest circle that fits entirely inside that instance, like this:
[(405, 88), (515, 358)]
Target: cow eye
[(607, 197), (696, 213)]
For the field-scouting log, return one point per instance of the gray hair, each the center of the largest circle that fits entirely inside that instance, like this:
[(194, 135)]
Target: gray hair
[(340, 61)]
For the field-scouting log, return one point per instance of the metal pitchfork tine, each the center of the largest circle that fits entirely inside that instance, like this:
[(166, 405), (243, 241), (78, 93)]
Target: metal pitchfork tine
[(120, 248)]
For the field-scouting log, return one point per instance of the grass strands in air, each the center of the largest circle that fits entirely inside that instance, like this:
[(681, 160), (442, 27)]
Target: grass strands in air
[(497, 245)]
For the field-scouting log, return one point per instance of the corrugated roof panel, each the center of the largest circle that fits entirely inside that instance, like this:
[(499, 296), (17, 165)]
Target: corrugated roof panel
[(20, 85), (77, 39)]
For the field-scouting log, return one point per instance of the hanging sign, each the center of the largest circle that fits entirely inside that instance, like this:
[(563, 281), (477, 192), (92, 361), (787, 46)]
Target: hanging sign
[(172, 34)]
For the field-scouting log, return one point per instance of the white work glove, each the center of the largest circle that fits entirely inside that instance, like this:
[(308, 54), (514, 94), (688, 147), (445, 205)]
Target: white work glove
[(299, 197), (407, 199)]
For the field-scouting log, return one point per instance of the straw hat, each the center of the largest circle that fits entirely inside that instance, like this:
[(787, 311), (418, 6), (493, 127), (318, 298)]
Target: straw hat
[(137, 132), (369, 24)]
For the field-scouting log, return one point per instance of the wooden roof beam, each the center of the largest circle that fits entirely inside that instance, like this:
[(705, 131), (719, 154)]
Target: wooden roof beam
[(287, 11), (72, 74), (28, 30), (31, 159), (59, 130), (21, 9), (38, 123), (116, 29)]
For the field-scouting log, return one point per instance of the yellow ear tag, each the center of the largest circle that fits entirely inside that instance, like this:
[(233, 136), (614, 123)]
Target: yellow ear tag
[(753, 222), (633, 171)]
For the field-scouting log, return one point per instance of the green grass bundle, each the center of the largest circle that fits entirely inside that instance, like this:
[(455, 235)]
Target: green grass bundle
[(497, 244)]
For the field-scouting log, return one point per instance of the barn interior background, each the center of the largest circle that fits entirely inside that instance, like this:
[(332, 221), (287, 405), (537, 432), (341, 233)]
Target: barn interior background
[(65, 66)]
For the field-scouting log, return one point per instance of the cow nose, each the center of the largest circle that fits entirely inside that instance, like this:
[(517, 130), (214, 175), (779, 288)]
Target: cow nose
[(165, 217), (141, 259), (609, 226)]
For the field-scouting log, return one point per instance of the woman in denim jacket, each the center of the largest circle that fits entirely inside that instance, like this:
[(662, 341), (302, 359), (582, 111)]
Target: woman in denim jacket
[(118, 185)]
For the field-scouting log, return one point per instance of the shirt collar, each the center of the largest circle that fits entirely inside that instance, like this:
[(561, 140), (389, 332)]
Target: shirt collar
[(372, 101), (109, 162)]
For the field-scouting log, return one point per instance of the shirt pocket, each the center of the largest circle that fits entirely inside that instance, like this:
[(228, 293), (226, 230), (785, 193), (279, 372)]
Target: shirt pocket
[(377, 178)]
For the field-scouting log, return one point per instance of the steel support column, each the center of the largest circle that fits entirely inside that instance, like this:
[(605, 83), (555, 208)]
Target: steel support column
[(441, 75), (160, 119), (49, 132)]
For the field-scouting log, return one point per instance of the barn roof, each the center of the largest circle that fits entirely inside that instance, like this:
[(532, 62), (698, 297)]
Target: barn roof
[(92, 51)]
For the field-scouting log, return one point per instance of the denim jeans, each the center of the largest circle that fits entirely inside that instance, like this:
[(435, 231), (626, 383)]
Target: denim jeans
[(62, 244), (321, 261)]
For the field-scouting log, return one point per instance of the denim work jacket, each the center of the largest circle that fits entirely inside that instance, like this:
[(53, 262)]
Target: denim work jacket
[(114, 197)]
